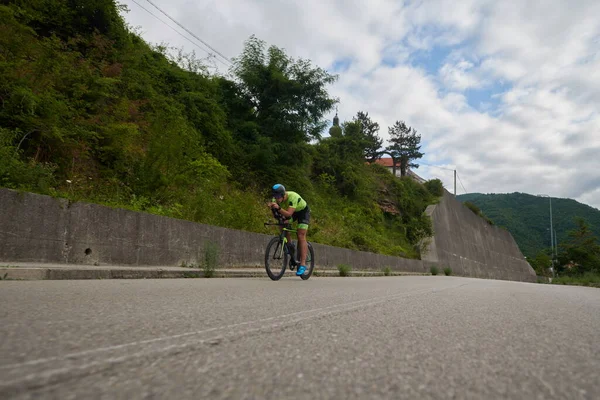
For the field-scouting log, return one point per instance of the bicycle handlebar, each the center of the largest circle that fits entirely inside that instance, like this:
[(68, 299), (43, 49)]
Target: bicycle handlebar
[(280, 218)]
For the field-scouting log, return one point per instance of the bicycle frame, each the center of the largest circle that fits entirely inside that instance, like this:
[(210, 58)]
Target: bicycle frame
[(283, 236)]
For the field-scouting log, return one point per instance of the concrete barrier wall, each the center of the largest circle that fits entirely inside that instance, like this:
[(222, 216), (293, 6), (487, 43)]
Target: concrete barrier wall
[(470, 246), (35, 228), (39, 228)]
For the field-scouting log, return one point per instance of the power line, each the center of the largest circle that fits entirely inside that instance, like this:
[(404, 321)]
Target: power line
[(191, 33), (210, 55), (181, 34), (447, 169), (435, 166), (461, 184)]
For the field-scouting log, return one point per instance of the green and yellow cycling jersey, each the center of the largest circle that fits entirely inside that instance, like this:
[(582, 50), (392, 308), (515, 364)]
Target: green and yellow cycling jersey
[(293, 201)]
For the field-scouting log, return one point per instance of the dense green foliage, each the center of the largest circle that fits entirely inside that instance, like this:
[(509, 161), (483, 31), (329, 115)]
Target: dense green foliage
[(580, 252), (90, 111), (435, 187)]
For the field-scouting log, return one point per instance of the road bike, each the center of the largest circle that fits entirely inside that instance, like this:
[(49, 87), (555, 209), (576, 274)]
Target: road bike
[(281, 254)]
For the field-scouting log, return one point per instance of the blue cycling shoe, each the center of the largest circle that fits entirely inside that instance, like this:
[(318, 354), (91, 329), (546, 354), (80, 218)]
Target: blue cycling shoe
[(301, 270)]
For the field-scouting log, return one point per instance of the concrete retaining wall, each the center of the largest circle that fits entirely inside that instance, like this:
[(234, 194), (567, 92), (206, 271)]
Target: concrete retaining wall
[(35, 228), (470, 246)]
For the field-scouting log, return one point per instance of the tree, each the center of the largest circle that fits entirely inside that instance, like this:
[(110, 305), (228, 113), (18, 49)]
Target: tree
[(340, 159), (335, 130), (581, 249), (369, 129), (289, 96), (405, 146), (541, 263), (68, 18), (288, 99)]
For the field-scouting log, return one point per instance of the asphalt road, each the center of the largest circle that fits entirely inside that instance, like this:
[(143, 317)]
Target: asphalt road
[(338, 338)]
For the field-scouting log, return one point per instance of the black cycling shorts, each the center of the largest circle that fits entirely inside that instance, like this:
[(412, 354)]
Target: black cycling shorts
[(303, 217)]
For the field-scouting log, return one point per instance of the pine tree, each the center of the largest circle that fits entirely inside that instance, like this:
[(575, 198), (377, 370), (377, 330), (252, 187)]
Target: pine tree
[(404, 147), (369, 129)]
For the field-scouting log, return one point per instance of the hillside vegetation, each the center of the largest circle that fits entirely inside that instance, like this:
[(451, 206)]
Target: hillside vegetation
[(527, 217), (89, 111)]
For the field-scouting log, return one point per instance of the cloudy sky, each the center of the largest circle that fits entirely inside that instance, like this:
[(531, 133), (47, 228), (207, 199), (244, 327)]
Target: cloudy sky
[(506, 92)]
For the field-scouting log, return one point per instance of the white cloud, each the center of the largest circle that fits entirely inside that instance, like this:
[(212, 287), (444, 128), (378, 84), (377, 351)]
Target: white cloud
[(459, 76), (538, 132)]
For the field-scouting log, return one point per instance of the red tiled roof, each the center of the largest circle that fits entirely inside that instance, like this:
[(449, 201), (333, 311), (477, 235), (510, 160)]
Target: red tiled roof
[(386, 162)]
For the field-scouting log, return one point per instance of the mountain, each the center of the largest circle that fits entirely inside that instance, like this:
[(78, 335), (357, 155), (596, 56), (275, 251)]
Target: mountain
[(527, 217)]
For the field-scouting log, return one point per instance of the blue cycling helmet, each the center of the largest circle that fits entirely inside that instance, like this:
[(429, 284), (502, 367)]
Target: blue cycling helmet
[(278, 190)]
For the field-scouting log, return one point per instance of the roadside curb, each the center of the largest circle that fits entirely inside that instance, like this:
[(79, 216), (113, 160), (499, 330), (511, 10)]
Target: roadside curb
[(9, 272)]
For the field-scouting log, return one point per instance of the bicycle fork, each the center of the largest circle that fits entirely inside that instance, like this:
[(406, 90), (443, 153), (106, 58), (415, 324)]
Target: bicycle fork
[(280, 254), (286, 248)]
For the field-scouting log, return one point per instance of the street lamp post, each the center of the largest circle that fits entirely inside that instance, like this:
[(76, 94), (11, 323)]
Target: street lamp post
[(552, 249), (555, 245)]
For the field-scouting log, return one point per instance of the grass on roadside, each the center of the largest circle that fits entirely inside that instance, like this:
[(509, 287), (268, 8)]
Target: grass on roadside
[(344, 269), (588, 279)]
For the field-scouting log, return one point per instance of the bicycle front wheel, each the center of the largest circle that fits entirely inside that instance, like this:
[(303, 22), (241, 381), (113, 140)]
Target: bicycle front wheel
[(310, 263), (276, 259)]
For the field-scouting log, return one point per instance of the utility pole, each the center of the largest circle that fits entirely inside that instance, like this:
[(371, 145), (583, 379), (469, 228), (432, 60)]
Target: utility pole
[(551, 231), (454, 183)]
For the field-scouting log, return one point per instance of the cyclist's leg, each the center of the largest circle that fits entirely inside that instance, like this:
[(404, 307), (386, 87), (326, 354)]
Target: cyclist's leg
[(302, 246), (303, 221)]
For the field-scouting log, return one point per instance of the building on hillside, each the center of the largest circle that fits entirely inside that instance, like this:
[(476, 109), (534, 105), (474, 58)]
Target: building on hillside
[(388, 163), (336, 131)]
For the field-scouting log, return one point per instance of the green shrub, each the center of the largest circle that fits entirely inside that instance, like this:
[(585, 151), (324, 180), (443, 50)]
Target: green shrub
[(387, 271), (447, 271), (18, 173), (434, 270), (344, 269), (211, 258), (476, 210), (435, 187)]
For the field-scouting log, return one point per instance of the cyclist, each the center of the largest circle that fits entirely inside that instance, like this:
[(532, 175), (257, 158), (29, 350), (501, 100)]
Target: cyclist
[(297, 209)]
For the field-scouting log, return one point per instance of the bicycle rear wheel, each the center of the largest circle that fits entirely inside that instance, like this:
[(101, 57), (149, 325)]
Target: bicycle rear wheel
[(276, 259), (310, 263)]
